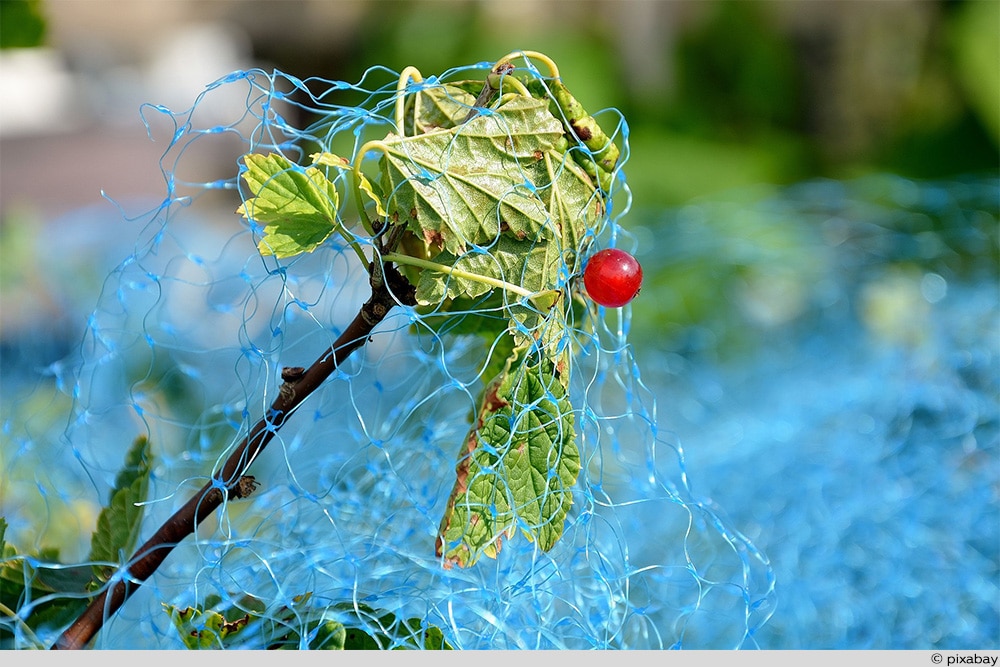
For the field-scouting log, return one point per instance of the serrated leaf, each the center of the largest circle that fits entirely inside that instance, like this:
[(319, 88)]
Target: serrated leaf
[(503, 483), (205, 627), (120, 520), (297, 207), (467, 185), (517, 469)]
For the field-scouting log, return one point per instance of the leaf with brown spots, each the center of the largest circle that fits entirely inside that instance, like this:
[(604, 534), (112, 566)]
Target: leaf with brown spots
[(517, 467)]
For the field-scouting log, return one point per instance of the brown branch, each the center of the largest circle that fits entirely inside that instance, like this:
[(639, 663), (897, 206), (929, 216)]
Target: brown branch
[(388, 289)]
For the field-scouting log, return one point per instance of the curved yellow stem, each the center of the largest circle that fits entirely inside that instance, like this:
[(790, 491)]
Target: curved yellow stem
[(409, 72), (535, 55), (356, 178), (29, 633), (516, 83)]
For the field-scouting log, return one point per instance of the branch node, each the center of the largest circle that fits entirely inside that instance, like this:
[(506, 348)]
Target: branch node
[(246, 485), (292, 373)]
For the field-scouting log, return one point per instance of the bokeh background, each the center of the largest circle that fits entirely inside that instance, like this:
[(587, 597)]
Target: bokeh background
[(815, 204)]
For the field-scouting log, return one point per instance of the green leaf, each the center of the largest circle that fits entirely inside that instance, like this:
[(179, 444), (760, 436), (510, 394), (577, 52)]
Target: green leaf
[(369, 629), (120, 520), (520, 461), (297, 207), (36, 578), (201, 629), (22, 572), (336, 627), (517, 468), (573, 206), (467, 185), (330, 636)]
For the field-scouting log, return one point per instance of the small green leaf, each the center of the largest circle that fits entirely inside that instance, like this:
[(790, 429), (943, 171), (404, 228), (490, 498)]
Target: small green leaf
[(43, 573), (297, 207), (331, 160), (36, 579), (340, 626), (201, 629), (371, 630), (517, 468), (120, 520), (330, 636)]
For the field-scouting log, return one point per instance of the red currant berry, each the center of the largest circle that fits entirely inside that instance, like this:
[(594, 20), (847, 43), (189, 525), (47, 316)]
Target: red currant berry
[(612, 277)]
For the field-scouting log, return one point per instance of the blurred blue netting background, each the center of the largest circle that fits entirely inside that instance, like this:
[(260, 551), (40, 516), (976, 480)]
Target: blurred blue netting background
[(850, 399), (800, 450)]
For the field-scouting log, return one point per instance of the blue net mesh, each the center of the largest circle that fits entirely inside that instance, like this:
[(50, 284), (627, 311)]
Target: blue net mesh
[(800, 455), (187, 344), (859, 418)]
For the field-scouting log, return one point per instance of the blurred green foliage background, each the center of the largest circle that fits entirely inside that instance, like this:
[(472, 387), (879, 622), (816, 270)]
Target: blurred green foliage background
[(718, 93), (724, 93)]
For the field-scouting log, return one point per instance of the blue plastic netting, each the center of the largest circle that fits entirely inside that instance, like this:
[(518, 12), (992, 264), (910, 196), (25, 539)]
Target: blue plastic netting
[(187, 344), (845, 410), (826, 353)]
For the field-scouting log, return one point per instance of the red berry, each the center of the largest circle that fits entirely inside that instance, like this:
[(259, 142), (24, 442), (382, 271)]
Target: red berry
[(612, 277)]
